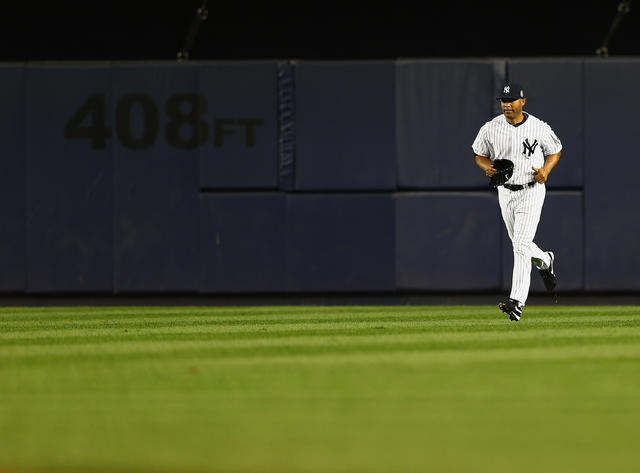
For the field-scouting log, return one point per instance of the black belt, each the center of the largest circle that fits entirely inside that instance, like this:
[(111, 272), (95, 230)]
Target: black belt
[(518, 187)]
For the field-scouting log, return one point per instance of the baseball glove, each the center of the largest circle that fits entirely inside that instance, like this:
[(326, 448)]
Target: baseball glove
[(503, 174)]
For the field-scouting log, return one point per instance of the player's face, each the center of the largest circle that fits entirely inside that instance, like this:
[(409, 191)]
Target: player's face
[(512, 108)]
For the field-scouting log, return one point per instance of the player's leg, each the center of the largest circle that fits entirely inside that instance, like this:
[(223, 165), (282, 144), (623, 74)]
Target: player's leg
[(540, 259), (505, 198), (544, 261), (526, 219), (508, 201)]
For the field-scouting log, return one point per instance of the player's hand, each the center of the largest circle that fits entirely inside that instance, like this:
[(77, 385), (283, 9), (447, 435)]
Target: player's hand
[(490, 171), (540, 174)]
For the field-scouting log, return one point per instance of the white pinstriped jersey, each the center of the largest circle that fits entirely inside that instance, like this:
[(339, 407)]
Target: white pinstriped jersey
[(526, 144)]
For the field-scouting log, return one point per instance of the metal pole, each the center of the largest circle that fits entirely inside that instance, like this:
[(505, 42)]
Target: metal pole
[(200, 16), (624, 7)]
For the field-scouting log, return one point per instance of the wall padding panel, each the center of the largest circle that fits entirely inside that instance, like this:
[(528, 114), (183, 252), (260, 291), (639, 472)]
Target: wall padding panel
[(341, 243), (345, 125), (69, 179), (155, 183), (441, 105), (242, 242), (448, 241), (13, 180), (612, 167)]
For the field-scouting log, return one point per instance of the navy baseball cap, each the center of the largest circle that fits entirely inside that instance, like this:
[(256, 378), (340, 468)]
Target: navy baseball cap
[(510, 91)]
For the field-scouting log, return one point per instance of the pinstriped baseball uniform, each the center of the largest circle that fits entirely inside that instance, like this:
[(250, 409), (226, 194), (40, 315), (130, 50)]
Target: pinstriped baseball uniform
[(526, 144)]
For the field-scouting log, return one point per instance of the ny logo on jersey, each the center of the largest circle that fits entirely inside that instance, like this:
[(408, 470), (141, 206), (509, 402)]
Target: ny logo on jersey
[(507, 89), (531, 148)]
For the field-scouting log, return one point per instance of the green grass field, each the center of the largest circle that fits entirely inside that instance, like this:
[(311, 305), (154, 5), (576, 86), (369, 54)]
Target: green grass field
[(319, 389)]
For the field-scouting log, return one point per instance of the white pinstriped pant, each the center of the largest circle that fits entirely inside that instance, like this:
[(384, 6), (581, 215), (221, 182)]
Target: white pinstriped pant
[(521, 213)]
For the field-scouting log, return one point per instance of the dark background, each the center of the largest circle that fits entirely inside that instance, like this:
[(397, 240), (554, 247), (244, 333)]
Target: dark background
[(140, 29)]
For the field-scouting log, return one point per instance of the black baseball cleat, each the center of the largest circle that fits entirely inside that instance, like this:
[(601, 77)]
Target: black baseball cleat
[(548, 276), (511, 307)]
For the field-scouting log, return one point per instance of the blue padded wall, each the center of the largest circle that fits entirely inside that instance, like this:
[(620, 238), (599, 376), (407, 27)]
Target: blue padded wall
[(106, 187), (345, 115), (561, 231), (242, 242), (156, 184), (13, 180), (448, 241), (554, 91), (341, 243), (612, 218), (241, 150), (441, 105), (70, 184)]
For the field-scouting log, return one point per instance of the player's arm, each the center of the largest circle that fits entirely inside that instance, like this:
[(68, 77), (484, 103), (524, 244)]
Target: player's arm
[(541, 174), (484, 163), (481, 150)]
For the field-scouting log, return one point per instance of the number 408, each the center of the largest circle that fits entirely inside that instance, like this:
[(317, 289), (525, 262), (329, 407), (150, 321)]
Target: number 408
[(196, 134)]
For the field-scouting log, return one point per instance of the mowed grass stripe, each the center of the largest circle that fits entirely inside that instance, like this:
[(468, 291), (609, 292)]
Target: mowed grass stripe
[(297, 347), (390, 332), (188, 317), (376, 354), (102, 313), (244, 314), (115, 331), (476, 316)]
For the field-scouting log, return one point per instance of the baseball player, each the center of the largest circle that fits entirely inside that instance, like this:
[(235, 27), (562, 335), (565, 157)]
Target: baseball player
[(535, 150)]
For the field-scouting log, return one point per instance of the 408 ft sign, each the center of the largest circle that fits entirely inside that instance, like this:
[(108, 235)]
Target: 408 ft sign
[(185, 129)]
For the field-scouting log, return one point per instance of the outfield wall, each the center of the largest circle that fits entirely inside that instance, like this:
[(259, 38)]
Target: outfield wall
[(303, 176)]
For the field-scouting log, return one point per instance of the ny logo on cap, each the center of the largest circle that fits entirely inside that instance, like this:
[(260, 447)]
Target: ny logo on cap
[(507, 89)]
